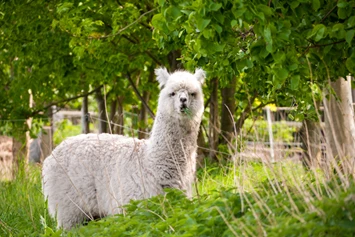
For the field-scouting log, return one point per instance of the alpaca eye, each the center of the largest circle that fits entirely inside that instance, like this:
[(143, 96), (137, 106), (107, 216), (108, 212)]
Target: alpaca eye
[(172, 94), (193, 94)]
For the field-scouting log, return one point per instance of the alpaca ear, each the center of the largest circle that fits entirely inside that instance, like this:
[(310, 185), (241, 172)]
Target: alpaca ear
[(162, 76), (200, 75)]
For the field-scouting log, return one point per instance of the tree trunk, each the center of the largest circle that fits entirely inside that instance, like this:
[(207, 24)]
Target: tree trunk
[(340, 125), (102, 112), (113, 115), (214, 123), (227, 112), (173, 57), (46, 142), (119, 129), (18, 154), (85, 121), (246, 113), (311, 136), (143, 119), (201, 150)]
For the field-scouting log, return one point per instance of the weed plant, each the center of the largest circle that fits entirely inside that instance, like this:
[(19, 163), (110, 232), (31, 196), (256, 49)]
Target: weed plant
[(237, 199)]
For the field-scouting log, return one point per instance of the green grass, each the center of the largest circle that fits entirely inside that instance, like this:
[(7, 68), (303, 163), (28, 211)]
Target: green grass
[(242, 199), (22, 209)]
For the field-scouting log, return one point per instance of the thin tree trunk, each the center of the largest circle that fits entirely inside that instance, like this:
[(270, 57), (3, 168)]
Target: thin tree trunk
[(143, 119), (311, 136), (227, 112), (340, 126), (135, 89), (245, 114), (201, 143), (102, 113), (18, 153), (214, 122), (85, 122), (120, 118), (113, 115), (174, 63)]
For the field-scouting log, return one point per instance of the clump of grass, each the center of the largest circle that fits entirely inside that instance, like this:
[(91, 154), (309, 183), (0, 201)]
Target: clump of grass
[(248, 199), (280, 199), (188, 112), (23, 210)]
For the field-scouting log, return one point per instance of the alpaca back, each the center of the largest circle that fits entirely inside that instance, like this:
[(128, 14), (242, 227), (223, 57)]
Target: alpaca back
[(93, 175)]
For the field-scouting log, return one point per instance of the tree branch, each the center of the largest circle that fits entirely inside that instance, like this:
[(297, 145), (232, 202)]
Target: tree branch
[(326, 15), (321, 45), (318, 45), (140, 96), (126, 27), (64, 101)]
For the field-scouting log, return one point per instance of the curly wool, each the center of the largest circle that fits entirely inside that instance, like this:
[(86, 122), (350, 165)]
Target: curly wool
[(92, 175)]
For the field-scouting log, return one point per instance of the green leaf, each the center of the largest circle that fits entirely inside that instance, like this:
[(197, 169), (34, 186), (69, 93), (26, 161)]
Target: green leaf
[(295, 81), (238, 13), (99, 23), (172, 12), (207, 33), (294, 4), (350, 64), (202, 23), (318, 32), (268, 39), (338, 31), (233, 23), (216, 47), (159, 22), (218, 28), (281, 73), (54, 23), (64, 7), (342, 4), (351, 21), (343, 13), (349, 36), (293, 67), (279, 57), (265, 9), (315, 5), (215, 6)]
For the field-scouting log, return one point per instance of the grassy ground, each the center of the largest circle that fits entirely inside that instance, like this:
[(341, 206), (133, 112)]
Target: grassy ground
[(241, 199), (22, 209)]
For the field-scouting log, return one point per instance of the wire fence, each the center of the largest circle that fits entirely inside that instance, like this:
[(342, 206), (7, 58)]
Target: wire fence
[(272, 134)]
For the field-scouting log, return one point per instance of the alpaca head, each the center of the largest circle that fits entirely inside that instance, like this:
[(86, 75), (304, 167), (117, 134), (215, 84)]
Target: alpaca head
[(181, 93)]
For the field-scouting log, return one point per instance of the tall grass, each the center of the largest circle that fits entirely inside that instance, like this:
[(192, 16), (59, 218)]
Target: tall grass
[(240, 199), (22, 208)]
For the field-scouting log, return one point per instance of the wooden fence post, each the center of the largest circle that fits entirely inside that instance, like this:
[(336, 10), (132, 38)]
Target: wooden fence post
[(47, 142)]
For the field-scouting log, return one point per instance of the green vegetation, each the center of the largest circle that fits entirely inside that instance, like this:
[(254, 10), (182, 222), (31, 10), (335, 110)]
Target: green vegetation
[(255, 53), (65, 129), (248, 199), (23, 211), (258, 129)]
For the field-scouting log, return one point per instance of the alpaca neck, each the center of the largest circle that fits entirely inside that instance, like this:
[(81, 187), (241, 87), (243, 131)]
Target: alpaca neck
[(174, 136), (171, 151)]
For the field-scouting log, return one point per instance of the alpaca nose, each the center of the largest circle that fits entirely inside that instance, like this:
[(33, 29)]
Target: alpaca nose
[(183, 99)]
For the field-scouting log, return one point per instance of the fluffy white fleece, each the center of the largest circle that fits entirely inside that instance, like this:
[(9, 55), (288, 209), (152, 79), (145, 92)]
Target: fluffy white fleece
[(92, 175)]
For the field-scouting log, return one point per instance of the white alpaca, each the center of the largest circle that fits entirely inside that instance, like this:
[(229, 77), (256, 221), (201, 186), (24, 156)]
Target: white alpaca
[(93, 175)]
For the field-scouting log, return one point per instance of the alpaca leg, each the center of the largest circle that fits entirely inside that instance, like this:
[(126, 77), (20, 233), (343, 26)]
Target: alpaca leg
[(70, 218)]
